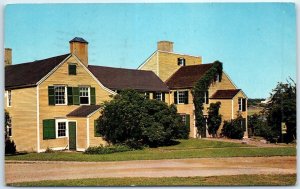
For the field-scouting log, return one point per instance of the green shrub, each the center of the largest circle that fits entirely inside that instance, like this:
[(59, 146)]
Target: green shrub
[(10, 146), (107, 149), (233, 129)]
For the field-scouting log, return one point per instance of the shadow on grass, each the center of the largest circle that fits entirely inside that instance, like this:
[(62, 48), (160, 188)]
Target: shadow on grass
[(170, 143), (17, 154)]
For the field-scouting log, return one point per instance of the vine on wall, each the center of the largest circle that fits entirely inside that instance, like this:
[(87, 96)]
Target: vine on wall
[(198, 92)]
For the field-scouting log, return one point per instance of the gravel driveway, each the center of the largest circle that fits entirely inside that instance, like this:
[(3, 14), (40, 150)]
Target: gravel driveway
[(21, 171)]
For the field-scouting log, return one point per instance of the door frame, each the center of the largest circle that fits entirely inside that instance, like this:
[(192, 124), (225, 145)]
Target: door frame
[(69, 134)]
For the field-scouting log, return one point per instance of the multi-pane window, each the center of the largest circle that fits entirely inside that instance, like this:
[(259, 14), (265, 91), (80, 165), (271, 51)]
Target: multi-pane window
[(61, 129), (84, 95), (158, 96), (9, 98), (8, 127), (60, 94), (181, 62), (181, 97), (206, 97), (240, 102)]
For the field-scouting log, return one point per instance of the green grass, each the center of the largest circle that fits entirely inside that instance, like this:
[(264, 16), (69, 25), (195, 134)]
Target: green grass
[(237, 180), (193, 148)]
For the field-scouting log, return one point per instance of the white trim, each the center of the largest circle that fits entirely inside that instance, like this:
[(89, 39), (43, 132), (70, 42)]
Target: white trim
[(179, 54), (55, 148), (88, 71), (53, 70), (157, 62), (7, 99), (87, 132), (66, 94), (183, 90), (38, 119), (93, 112), (232, 108), (141, 65), (67, 128), (89, 93), (76, 134), (80, 149)]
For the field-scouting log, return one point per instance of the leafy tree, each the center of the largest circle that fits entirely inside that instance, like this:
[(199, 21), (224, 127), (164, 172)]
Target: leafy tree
[(233, 128), (214, 119), (134, 120), (259, 127), (282, 108)]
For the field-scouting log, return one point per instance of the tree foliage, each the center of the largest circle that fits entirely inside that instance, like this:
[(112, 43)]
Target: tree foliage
[(282, 108), (259, 127), (214, 118), (10, 146), (233, 128), (133, 120), (198, 92)]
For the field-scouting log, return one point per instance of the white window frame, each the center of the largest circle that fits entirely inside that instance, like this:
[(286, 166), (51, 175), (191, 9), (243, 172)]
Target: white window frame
[(178, 96), (89, 94), (181, 61), (160, 97), (240, 104), (9, 127), (217, 78), (66, 95), (8, 98), (67, 127)]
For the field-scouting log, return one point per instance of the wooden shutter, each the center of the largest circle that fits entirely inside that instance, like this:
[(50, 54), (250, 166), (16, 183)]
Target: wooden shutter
[(207, 97), (49, 129), (72, 69), (154, 95), (175, 97), (244, 124), (163, 97), (70, 95), (76, 95), (96, 134), (187, 120), (93, 95), (186, 94), (243, 104), (51, 97)]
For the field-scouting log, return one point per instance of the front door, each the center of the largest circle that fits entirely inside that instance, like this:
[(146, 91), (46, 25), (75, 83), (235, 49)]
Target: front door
[(72, 135)]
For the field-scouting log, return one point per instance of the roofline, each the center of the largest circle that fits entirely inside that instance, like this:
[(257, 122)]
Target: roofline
[(141, 90), (230, 80), (179, 54), (20, 87), (142, 64), (242, 93), (93, 112)]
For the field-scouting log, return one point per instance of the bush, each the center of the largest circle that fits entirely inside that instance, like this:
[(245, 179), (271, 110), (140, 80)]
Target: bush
[(214, 118), (233, 129), (183, 132), (10, 147), (133, 120), (260, 127), (107, 149)]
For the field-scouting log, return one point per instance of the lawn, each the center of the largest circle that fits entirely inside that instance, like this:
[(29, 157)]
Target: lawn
[(237, 180), (192, 148)]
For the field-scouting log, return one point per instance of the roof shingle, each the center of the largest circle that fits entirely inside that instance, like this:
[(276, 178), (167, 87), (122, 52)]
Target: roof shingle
[(225, 94), (84, 111), (28, 74), (78, 39), (120, 78), (187, 76)]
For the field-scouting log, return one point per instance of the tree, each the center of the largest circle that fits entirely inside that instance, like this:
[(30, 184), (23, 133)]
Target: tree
[(259, 127), (214, 119), (233, 128), (10, 147), (282, 109), (131, 119)]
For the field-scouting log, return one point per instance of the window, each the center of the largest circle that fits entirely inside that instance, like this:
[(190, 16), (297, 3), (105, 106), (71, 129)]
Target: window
[(181, 61), (8, 98), (217, 78), (158, 96), (60, 94), (206, 97), (72, 69), (181, 97), (61, 126), (183, 118), (84, 93), (8, 127), (242, 104)]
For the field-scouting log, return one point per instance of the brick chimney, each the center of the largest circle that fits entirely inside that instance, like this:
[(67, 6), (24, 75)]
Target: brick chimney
[(79, 47), (165, 46), (8, 57)]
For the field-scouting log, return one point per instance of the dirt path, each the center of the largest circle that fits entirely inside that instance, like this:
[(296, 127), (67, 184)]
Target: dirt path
[(18, 171)]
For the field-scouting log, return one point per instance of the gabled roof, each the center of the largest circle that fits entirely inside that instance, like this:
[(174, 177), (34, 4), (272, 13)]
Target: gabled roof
[(84, 111), (187, 76), (28, 74), (120, 78), (225, 94)]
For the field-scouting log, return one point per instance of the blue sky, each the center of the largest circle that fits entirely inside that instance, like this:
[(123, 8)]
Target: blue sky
[(256, 42)]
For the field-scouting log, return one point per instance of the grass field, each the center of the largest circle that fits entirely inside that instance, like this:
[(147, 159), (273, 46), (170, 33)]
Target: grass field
[(237, 180), (192, 148)]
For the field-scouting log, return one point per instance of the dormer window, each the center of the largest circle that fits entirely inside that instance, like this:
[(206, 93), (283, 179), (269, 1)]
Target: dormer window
[(181, 61)]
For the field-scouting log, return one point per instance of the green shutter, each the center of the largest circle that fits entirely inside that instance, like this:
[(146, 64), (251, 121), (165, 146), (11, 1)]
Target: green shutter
[(207, 97), (76, 95), (243, 104), (244, 124), (93, 95), (51, 97), (96, 134), (163, 97), (49, 129), (175, 97), (154, 95), (187, 120), (70, 95), (186, 94), (72, 69)]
